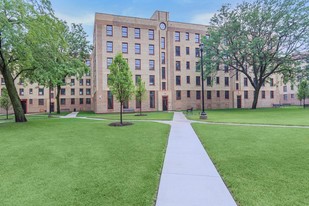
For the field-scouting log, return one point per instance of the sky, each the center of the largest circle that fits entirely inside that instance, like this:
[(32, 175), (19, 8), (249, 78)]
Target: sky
[(190, 11)]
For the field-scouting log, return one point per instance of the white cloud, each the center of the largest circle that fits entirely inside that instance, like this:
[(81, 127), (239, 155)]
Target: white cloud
[(85, 20), (203, 18)]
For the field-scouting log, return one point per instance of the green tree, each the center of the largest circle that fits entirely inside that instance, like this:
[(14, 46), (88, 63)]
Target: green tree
[(259, 39), (120, 81), (140, 92), (303, 91), (5, 101)]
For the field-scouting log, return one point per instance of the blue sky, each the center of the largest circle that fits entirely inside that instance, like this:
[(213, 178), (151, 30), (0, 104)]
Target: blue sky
[(82, 11)]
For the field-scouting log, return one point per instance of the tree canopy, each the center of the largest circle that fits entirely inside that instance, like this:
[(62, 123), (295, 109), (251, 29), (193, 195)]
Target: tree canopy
[(303, 91), (140, 92), (5, 101)]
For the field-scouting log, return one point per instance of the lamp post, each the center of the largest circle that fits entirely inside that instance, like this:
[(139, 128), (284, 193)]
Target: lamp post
[(203, 113)]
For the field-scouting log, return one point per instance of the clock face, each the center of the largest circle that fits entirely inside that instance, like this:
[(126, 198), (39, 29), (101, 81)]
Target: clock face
[(162, 26)]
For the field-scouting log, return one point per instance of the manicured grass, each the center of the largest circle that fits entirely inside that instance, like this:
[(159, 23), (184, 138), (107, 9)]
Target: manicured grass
[(261, 166), (80, 162), (283, 116), (130, 116)]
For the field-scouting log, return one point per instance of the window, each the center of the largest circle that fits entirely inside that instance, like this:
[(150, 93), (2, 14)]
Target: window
[(109, 61), (187, 50), (245, 81), (2, 81), (137, 103), (187, 36), (271, 82), (237, 75), (197, 67), (151, 34), (62, 101), (88, 101), (109, 46), (137, 64), (162, 43), (187, 65), (72, 82), (125, 48), (31, 91), (151, 49), (178, 95), (88, 74), (81, 82), (137, 48), (81, 101), (197, 52), (285, 89), (177, 36), (62, 91), (81, 91), (217, 80), (178, 80), (163, 85), (163, 73), (72, 101), (110, 100), (272, 94), (237, 86), (226, 68), (188, 80), (152, 99), (137, 77), (198, 80), (263, 94), (124, 31), (151, 64), (218, 94), (177, 50), (72, 91), (88, 82), (197, 38), (292, 96), (285, 97), (137, 33), (226, 81), (208, 81), (198, 95), (88, 91), (21, 92), (41, 102), (208, 94), (177, 65), (292, 87), (30, 101), (152, 80), (125, 104), (188, 94), (41, 91), (163, 57), (109, 30), (246, 94), (227, 94)]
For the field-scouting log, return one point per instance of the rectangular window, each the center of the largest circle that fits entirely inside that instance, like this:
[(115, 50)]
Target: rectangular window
[(81, 101), (151, 64), (72, 91), (125, 48), (81, 91), (285, 97), (137, 77), (137, 64), (109, 30), (237, 86), (263, 94), (2, 81), (187, 65), (137, 104), (88, 91), (109, 46), (41, 91), (177, 36), (124, 31), (163, 57), (246, 94), (177, 50), (226, 68), (62, 101), (198, 95), (188, 80), (197, 38), (41, 102), (272, 94), (163, 73), (137, 48), (245, 81), (88, 82), (187, 50), (30, 101), (151, 49), (81, 82), (163, 85), (137, 33), (31, 91), (198, 80), (187, 36), (88, 101), (178, 95), (125, 104), (292, 96), (218, 94), (151, 80), (292, 87), (109, 61), (197, 52), (72, 82), (62, 91), (188, 94), (285, 88), (72, 101), (151, 34), (178, 80), (21, 92), (110, 100), (208, 94), (152, 99), (162, 43), (208, 81), (227, 94), (217, 80), (226, 81), (237, 75), (177, 65)]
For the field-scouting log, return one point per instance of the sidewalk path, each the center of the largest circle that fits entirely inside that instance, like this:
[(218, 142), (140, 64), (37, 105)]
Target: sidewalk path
[(71, 115), (189, 178)]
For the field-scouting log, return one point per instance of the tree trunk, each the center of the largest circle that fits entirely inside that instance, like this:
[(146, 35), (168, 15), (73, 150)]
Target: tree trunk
[(304, 102), (58, 98), (256, 98), (15, 100), (7, 113), (121, 113)]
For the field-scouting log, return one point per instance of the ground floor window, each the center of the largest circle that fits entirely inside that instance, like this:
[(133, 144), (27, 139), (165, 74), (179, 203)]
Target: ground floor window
[(110, 99), (152, 99), (62, 101), (88, 101)]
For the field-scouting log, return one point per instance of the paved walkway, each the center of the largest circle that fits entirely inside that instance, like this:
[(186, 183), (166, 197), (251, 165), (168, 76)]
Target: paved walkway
[(189, 178), (71, 115)]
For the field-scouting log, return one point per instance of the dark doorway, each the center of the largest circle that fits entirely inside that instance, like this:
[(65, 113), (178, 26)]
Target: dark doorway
[(165, 103), (238, 101), (24, 105), (52, 107)]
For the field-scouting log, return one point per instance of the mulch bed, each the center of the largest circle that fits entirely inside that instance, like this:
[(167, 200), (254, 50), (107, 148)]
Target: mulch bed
[(139, 115), (118, 124)]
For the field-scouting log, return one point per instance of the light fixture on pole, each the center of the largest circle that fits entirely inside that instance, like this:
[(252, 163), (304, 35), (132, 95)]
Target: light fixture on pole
[(203, 113)]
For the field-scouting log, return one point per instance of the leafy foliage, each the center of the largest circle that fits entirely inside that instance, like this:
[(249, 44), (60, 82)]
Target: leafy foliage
[(303, 91), (5, 101), (140, 92)]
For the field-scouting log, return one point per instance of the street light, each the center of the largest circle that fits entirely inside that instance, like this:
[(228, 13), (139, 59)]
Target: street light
[(203, 114)]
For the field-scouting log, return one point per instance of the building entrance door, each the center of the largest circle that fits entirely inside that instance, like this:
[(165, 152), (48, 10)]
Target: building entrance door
[(165, 103), (239, 101)]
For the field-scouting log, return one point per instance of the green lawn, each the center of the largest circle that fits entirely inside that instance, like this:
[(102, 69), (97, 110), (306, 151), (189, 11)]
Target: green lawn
[(283, 116), (130, 116), (80, 162), (261, 166)]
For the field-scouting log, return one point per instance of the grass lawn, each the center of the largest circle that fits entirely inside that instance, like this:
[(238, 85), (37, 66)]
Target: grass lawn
[(283, 116), (80, 162), (130, 116), (261, 166)]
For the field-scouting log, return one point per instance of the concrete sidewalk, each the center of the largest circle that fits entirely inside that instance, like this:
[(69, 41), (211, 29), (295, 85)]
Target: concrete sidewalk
[(189, 177), (71, 115)]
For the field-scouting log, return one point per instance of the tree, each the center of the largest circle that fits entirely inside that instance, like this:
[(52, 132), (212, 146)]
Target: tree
[(303, 91), (140, 92), (259, 39), (5, 101), (120, 81), (26, 32)]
